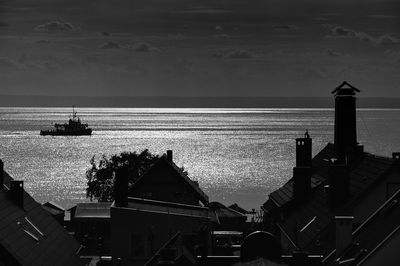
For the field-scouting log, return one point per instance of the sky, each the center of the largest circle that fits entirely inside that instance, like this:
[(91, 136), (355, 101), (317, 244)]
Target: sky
[(199, 47)]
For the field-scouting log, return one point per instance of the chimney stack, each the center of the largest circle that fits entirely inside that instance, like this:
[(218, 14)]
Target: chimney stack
[(17, 192), (121, 187), (169, 156), (1, 174), (301, 183), (345, 120), (339, 185), (344, 233), (304, 151), (302, 172)]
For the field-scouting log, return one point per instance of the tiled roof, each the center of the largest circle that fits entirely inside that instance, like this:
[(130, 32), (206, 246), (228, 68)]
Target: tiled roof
[(315, 216), (225, 212), (163, 161), (373, 234), (90, 210), (284, 195), (31, 236)]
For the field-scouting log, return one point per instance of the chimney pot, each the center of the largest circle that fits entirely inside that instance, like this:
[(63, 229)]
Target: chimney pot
[(344, 233), (304, 151), (17, 192), (169, 156)]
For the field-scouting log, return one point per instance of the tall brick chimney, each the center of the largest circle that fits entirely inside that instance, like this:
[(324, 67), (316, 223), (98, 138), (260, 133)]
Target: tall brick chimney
[(302, 172), (17, 192), (170, 156), (345, 120)]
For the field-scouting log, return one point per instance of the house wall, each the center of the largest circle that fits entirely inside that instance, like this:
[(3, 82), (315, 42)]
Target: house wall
[(165, 184), (373, 200), (136, 235)]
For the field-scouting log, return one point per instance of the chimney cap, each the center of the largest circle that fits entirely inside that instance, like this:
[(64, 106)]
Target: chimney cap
[(348, 90)]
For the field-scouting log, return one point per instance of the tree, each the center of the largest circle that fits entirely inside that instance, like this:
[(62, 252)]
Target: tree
[(100, 176)]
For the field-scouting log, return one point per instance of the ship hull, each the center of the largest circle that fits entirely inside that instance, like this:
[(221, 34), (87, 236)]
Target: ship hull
[(86, 132)]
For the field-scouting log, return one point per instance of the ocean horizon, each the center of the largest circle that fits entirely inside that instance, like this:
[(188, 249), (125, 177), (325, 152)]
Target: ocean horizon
[(238, 155)]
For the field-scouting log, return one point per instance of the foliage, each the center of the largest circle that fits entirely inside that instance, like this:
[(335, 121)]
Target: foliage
[(100, 175)]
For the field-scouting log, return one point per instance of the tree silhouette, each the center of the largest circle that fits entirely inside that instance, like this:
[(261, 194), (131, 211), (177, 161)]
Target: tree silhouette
[(100, 176)]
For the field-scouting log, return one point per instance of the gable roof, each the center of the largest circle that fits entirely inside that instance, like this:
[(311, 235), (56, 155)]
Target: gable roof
[(162, 162), (342, 87), (31, 236), (314, 216)]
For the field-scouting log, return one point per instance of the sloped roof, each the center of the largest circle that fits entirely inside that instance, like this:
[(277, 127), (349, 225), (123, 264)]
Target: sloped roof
[(47, 244), (284, 195), (225, 212), (92, 210), (162, 162), (53, 205), (314, 216), (342, 87)]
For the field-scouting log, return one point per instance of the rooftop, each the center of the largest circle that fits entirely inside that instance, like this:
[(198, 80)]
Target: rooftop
[(30, 235)]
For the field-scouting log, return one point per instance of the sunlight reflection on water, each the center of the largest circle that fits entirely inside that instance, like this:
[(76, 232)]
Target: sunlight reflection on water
[(237, 155)]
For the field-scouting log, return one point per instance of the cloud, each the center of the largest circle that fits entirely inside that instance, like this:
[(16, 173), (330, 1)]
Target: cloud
[(286, 27), (43, 41), (234, 54), (56, 26), (332, 53), (110, 45), (7, 63), (3, 24), (341, 32), (142, 47), (380, 16)]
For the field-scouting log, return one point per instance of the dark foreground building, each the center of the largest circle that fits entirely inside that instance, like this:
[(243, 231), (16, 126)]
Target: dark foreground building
[(29, 235), (336, 198)]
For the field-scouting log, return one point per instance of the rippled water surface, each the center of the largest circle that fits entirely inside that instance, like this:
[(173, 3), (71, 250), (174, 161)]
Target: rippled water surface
[(237, 155)]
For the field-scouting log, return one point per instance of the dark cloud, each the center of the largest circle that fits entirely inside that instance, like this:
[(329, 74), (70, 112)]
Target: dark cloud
[(234, 54), (43, 41), (332, 53), (55, 26), (341, 32), (3, 24), (286, 27), (142, 47), (7, 63), (110, 45)]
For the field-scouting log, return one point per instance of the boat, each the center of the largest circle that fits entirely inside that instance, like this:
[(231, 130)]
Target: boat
[(74, 127)]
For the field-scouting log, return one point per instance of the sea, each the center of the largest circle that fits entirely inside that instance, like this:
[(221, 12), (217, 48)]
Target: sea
[(236, 155)]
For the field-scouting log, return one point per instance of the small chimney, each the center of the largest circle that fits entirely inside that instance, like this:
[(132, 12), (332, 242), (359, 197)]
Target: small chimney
[(304, 151), (344, 233), (1, 174), (339, 185), (17, 192), (169, 156), (121, 187), (345, 120), (301, 183)]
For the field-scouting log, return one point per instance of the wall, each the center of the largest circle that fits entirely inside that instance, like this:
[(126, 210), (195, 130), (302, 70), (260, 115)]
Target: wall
[(143, 233)]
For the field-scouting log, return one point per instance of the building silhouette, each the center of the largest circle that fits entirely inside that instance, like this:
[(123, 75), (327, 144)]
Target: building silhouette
[(29, 235), (324, 207)]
